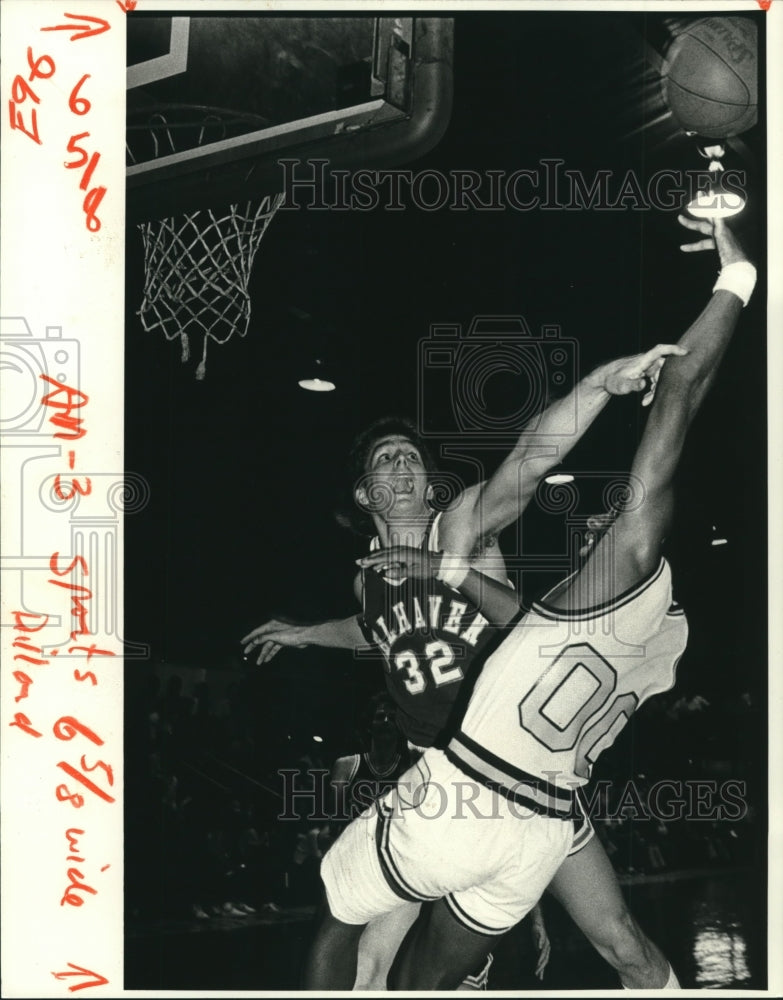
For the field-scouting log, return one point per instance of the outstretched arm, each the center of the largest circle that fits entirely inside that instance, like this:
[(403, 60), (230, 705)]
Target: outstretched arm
[(272, 636), (496, 601), (631, 549), (485, 509)]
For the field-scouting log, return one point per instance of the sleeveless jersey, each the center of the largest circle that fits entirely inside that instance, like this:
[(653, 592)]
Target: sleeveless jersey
[(429, 635), (558, 689), (365, 784)]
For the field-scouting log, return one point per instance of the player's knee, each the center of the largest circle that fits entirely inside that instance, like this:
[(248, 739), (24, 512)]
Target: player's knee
[(334, 933)]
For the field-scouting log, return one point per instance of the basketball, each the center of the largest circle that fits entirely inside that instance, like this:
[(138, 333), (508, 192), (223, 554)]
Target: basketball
[(710, 81)]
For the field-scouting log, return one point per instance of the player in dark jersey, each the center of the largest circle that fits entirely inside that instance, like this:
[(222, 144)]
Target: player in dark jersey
[(428, 636), (425, 666), (359, 779), (480, 875)]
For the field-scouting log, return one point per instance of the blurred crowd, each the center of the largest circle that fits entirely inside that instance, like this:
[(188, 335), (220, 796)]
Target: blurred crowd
[(680, 790), (202, 837)]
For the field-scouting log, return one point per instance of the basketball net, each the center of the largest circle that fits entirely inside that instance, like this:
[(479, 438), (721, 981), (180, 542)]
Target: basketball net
[(197, 268)]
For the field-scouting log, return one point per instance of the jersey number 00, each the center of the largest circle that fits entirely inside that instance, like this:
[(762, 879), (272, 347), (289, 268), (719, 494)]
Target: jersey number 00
[(569, 707)]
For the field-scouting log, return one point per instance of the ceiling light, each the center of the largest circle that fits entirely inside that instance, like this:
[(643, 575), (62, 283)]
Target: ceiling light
[(316, 384), (317, 379)]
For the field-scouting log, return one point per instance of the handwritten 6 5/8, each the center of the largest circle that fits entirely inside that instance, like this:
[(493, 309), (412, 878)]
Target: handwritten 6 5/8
[(43, 68), (67, 728)]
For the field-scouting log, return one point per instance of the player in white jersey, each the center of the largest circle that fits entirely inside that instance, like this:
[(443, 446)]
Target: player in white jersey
[(561, 686), (393, 465), (548, 701), (357, 780)]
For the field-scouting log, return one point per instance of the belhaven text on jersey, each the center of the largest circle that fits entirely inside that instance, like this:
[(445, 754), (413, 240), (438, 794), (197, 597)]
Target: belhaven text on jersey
[(429, 636)]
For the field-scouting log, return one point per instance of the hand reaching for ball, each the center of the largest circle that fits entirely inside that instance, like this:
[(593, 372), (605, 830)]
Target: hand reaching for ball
[(718, 237)]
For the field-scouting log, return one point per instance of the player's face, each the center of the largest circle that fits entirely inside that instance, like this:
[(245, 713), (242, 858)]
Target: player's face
[(396, 465), (384, 721)]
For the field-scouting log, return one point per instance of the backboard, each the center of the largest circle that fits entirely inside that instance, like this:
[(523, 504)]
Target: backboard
[(214, 102)]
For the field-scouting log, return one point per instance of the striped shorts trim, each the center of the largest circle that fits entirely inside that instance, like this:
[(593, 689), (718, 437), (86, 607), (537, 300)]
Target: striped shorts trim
[(464, 918), (481, 980), (391, 872), (528, 791), (583, 828)]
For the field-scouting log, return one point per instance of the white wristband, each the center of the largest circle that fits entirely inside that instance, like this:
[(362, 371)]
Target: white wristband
[(453, 569), (738, 278)]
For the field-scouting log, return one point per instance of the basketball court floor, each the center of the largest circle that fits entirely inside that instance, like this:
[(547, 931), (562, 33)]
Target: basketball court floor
[(705, 921)]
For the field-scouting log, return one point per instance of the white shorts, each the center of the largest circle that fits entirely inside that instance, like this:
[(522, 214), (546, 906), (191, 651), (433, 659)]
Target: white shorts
[(583, 827), (439, 834)]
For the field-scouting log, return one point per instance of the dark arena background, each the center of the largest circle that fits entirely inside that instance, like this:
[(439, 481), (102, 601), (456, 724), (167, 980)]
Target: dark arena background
[(245, 469)]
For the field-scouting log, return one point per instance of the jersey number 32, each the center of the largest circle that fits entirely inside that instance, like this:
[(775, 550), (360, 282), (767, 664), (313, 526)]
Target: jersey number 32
[(440, 658)]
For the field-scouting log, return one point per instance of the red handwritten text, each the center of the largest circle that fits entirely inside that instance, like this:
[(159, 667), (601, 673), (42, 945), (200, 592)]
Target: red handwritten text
[(73, 430), (97, 978), (79, 594), (22, 641), (21, 91), (21, 720), (81, 30), (25, 119), (24, 681), (91, 650), (93, 198), (81, 106), (76, 883), (66, 728), (74, 400)]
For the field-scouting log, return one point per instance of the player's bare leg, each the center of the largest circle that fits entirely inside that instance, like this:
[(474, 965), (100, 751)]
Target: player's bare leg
[(438, 952), (379, 943), (586, 886), (331, 962)]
